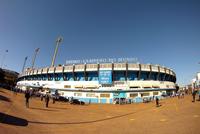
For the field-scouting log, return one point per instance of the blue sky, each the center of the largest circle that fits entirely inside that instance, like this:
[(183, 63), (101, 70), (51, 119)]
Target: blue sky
[(165, 32)]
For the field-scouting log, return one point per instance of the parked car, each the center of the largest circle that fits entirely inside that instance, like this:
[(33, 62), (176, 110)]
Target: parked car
[(64, 99), (59, 98), (77, 102)]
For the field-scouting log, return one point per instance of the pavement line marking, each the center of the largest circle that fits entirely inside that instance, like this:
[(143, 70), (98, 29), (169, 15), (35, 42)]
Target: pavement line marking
[(195, 116), (162, 120)]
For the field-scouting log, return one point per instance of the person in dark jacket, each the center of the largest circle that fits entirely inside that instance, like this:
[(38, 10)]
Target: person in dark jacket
[(157, 102), (193, 95), (27, 96), (47, 97)]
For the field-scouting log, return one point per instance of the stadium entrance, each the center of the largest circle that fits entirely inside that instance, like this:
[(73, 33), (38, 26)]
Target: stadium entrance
[(119, 97)]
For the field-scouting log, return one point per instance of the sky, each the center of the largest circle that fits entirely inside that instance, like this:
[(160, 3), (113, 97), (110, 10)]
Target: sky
[(164, 32)]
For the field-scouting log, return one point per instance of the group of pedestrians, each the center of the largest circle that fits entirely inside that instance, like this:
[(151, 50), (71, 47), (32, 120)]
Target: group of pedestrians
[(181, 95), (28, 95), (47, 97)]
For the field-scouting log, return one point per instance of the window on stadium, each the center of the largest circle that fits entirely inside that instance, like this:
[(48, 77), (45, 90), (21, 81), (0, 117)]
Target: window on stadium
[(145, 94), (67, 86), (77, 94), (147, 87), (155, 93), (90, 95), (134, 87), (133, 95), (104, 95), (155, 86)]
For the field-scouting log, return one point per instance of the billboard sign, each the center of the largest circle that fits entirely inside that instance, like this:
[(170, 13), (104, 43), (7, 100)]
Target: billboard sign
[(105, 77)]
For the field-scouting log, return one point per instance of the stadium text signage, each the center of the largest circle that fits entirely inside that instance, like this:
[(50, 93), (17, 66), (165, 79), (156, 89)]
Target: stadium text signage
[(103, 60)]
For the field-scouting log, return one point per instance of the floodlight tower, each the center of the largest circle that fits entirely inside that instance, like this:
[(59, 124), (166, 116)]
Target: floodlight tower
[(34, 57), (58, 41), (24, 63)]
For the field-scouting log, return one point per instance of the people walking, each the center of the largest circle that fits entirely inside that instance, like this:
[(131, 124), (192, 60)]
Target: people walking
[(193, 95), (55, 96), (54, 99), (47, 97), (27, 96), (157, 102), (41, 97), (199, 94)]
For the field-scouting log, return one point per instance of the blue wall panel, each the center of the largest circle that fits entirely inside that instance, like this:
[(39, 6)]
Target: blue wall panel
[(103, 100)]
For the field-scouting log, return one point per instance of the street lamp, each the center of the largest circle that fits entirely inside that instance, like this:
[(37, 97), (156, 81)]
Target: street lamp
[(58, 41), (34, 57)]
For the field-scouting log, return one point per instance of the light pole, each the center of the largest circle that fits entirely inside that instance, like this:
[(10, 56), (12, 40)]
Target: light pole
[(34, 57), (24, 63), (4, 57), (58, 41)]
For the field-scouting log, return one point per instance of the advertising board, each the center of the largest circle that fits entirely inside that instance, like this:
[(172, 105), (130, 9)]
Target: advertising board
[(105, 77)]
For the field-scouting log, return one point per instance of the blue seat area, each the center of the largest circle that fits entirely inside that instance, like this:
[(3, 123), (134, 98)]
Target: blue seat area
[(144, 75), (119, 76), (132, 75), (58, 77), (51, 77), (68, 77), (44, 77), (161, 77), (154, 76), (79, 76), (92, 76)]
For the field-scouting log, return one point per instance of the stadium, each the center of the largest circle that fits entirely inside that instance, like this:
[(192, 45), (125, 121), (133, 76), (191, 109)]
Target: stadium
[(8, 78), (103, 82)]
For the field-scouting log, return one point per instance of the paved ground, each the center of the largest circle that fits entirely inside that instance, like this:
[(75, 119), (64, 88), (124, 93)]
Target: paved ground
[(179, 116)]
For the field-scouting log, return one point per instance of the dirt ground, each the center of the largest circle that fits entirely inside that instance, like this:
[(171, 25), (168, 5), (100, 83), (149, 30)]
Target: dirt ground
[(175, 116)]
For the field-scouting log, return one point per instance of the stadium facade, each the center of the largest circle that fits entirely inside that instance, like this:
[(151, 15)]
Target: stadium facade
[(103, 82), (8, 78)]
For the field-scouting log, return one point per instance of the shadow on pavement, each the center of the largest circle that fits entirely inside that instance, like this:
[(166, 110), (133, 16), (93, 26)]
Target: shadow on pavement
[(2, 91), (41, 109), (58, 108), (81, 122), (12, 120), (3, 98)]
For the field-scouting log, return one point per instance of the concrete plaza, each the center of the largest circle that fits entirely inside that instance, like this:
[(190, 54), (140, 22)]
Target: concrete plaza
[(179, 116)]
